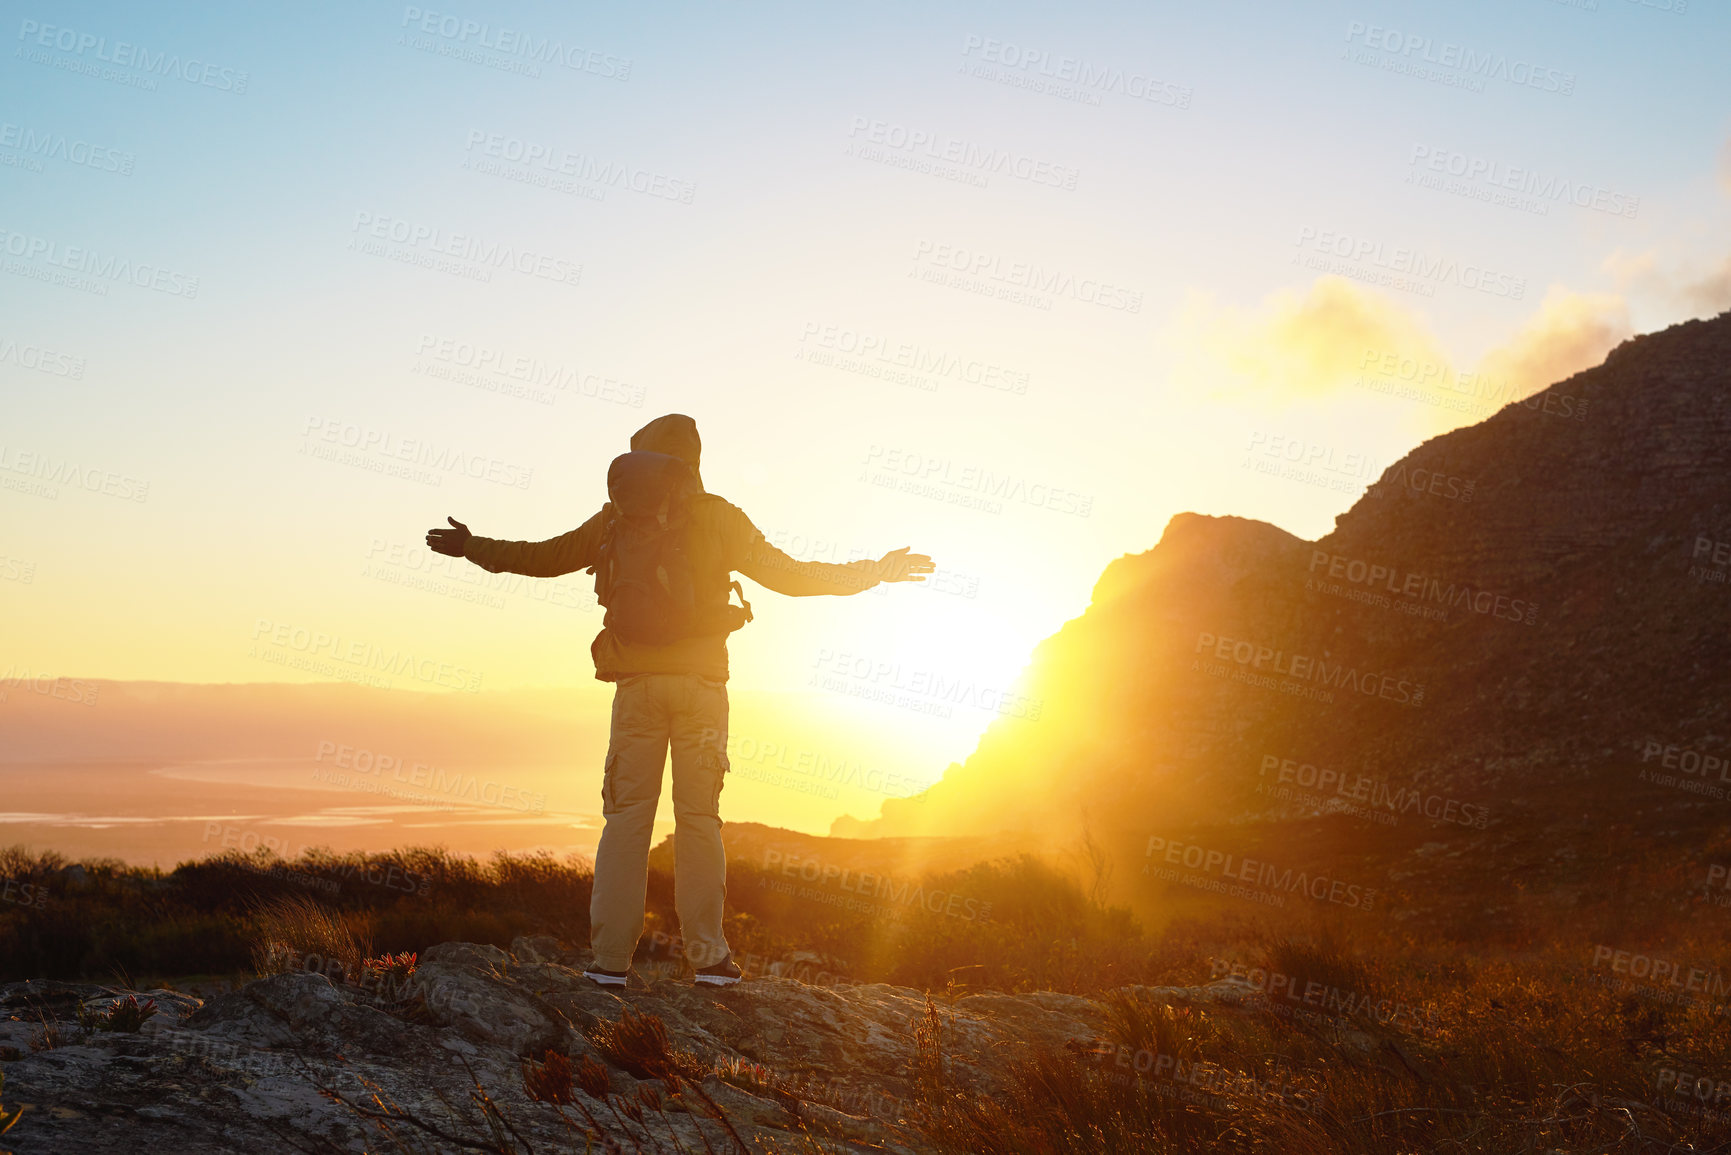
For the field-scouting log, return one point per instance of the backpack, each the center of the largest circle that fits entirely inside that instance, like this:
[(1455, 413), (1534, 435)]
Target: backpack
[(644, 575)]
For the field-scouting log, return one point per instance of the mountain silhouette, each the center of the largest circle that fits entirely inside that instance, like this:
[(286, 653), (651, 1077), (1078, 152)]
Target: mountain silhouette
[(1521, 621)]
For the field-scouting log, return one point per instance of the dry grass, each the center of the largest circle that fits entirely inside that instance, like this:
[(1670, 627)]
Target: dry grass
[(1365, 1036), (1514, 1059), (294, 931)]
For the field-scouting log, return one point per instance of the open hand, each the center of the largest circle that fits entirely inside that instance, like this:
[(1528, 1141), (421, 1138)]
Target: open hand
[(450, 542), (901, 566)]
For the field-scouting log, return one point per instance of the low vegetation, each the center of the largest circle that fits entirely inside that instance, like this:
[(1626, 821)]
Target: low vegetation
[(1375, 1041)]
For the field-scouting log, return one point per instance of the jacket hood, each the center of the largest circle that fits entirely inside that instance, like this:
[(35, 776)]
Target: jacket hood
[(674, 435)]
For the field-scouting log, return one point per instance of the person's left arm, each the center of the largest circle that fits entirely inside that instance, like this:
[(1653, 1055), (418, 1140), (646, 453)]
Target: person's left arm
[(751, 554)]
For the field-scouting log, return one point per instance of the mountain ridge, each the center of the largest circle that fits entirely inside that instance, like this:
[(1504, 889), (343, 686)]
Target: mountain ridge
[(1516, 595)]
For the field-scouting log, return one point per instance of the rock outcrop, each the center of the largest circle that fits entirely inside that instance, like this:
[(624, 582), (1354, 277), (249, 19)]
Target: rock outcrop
[(256, 1068)]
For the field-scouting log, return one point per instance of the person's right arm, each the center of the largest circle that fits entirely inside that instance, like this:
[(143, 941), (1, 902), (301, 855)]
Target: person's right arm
[(567, 553)]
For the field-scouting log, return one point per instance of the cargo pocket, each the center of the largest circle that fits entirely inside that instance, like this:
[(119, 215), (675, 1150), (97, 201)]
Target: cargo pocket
[(607, 783)]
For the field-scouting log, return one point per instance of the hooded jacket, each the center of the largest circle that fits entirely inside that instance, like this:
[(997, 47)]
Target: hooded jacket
[(723, 541)]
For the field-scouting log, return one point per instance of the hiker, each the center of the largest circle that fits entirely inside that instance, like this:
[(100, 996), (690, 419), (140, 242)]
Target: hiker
[(663, 553)]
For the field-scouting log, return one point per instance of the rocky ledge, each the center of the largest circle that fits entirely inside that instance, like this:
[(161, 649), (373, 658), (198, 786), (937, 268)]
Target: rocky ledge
[(444, 1059)]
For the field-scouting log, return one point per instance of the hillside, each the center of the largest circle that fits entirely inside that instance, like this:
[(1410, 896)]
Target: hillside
[(1524, 611)]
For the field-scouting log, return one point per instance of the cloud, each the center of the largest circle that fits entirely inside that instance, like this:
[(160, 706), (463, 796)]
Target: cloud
[(1571, 332), (1307, 343), (1704, 294), (1317, 343), (1710, 295)]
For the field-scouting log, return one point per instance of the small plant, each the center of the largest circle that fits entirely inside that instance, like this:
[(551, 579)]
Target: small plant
[(388, 975), (49, 1036), (549, 1081), (592, 1076), (639, 1043), (392, 966), (929, 1063), (126, 1016)]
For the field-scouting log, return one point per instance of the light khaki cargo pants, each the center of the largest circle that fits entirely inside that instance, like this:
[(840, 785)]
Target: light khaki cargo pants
[(651, 712)]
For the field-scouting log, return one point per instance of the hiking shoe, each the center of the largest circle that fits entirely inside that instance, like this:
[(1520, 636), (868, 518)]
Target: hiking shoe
[(722, 974), (602, 977)]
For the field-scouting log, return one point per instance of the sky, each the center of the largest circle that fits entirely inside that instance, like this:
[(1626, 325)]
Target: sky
[(1012, 285)]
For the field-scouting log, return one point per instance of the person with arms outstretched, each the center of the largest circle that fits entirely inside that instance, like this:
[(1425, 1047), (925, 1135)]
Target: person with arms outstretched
[(663, 553)]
